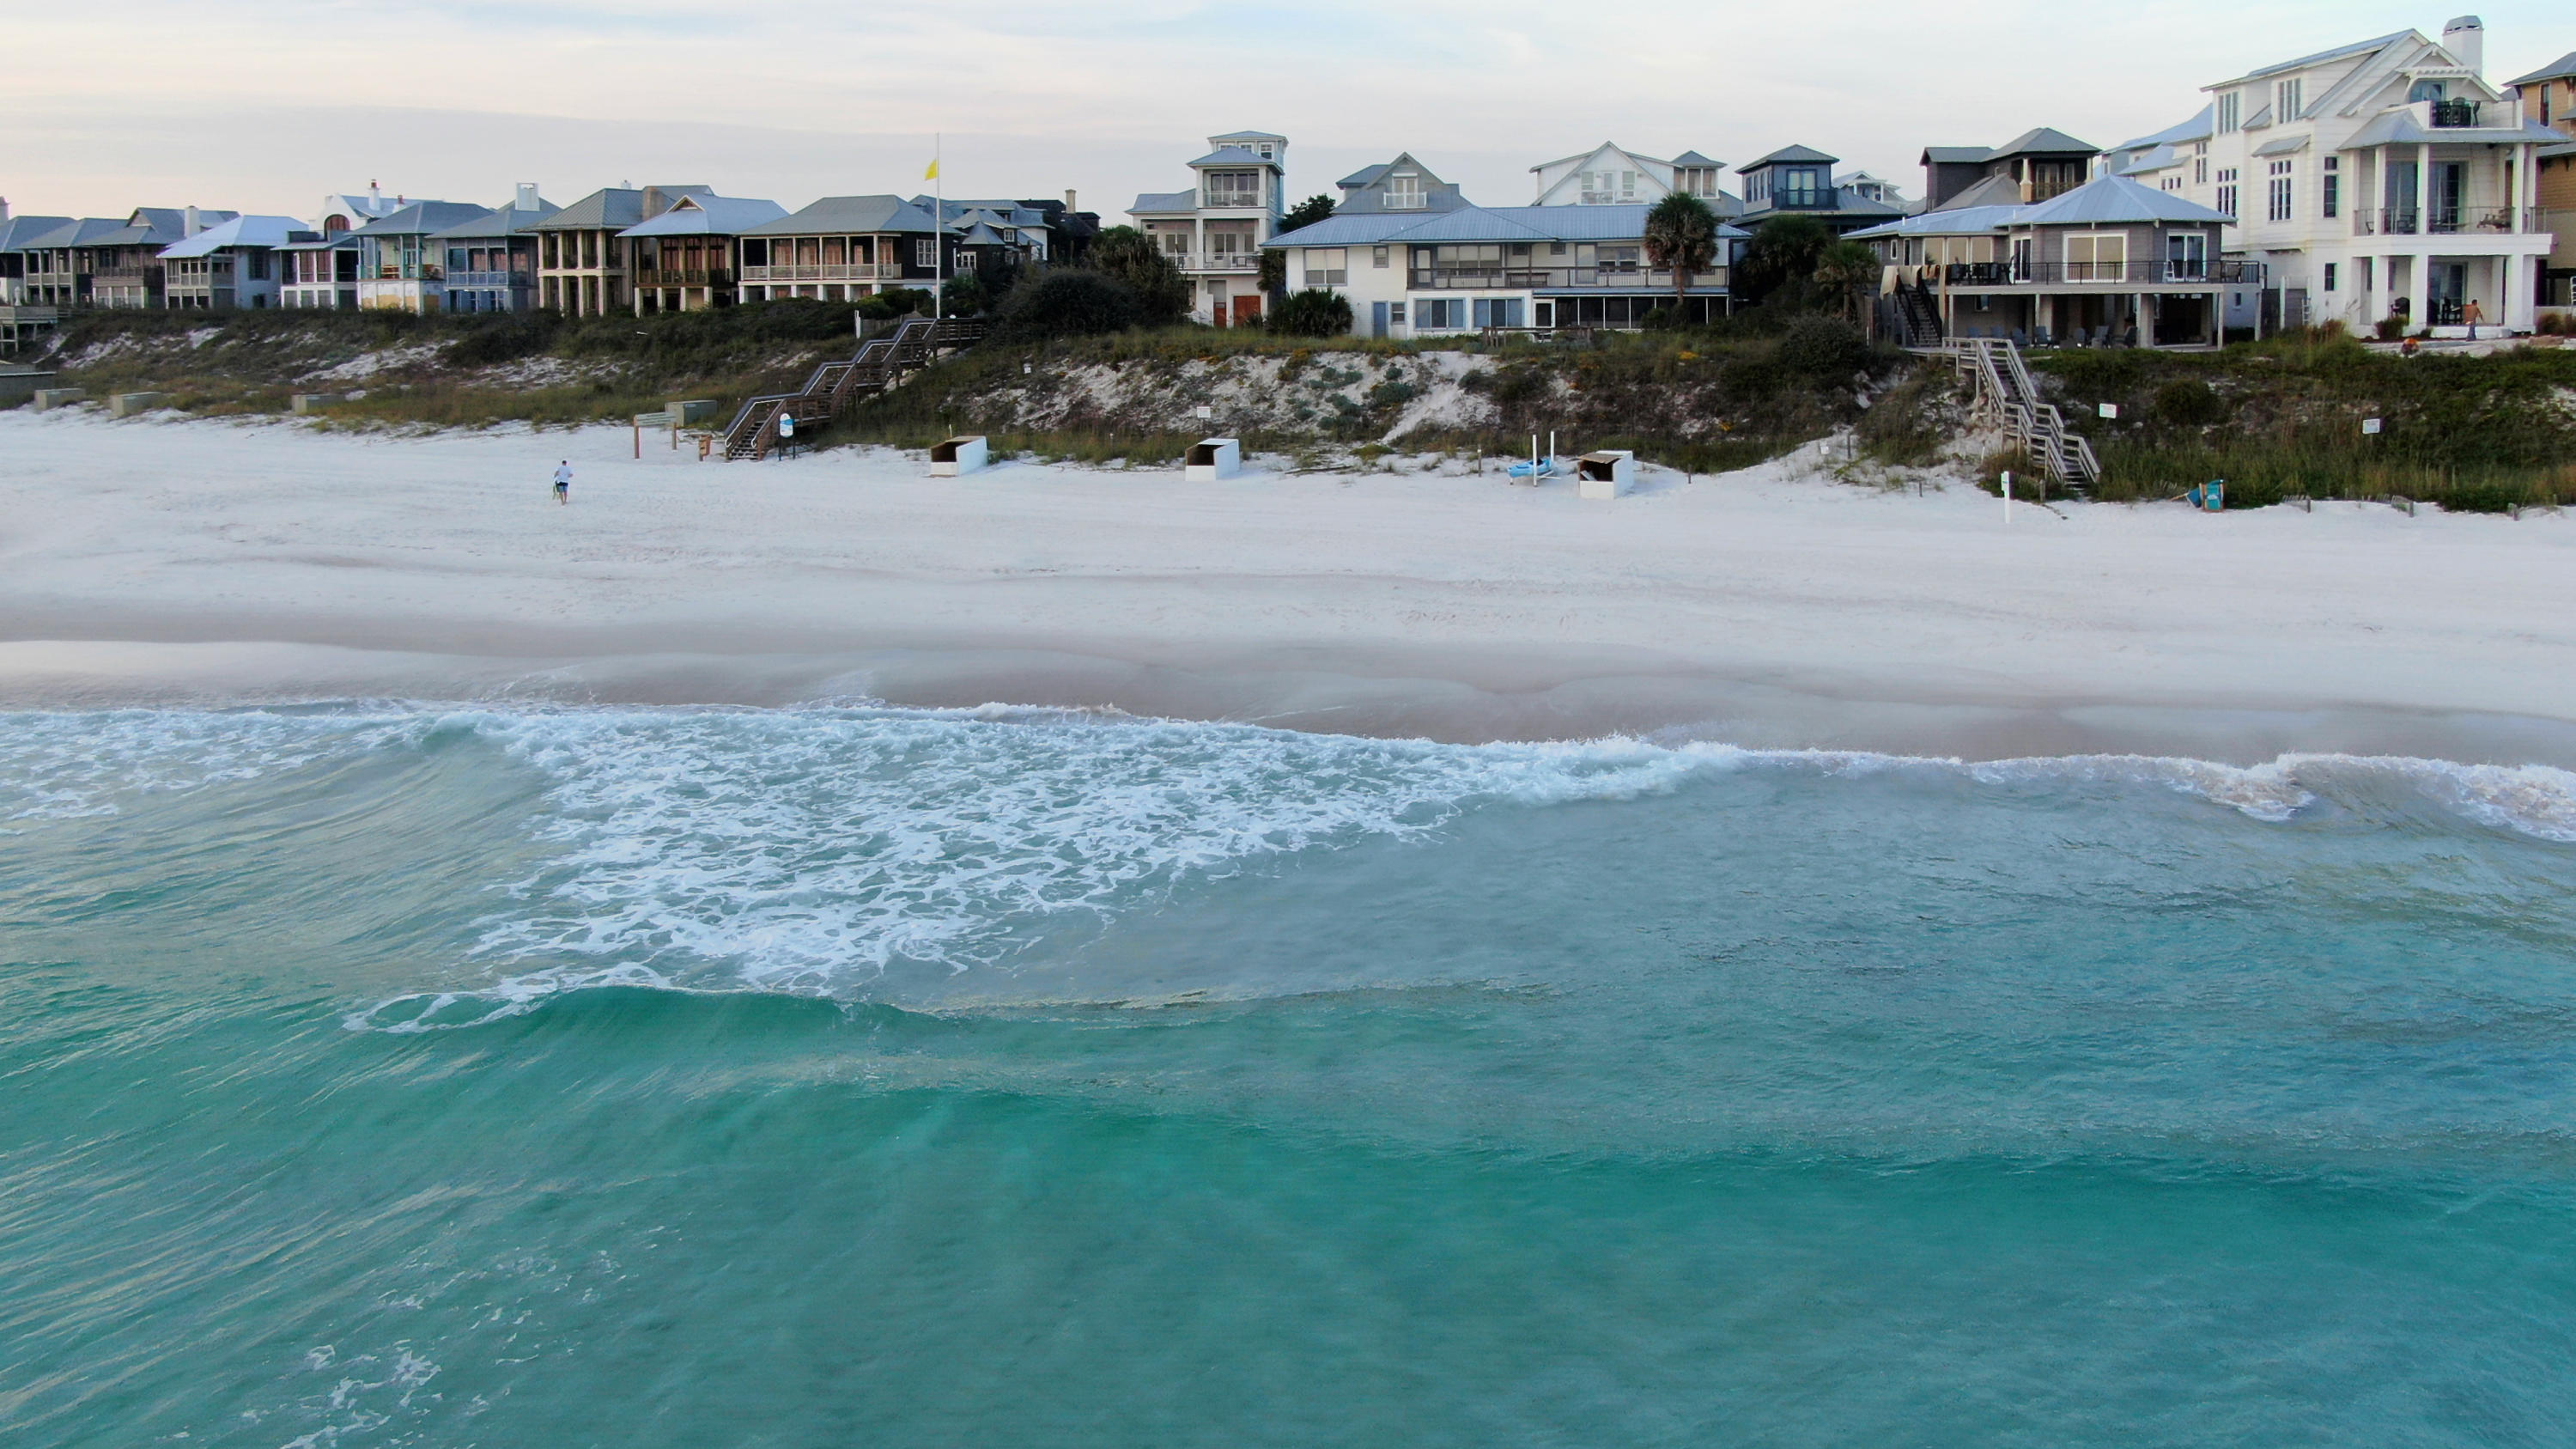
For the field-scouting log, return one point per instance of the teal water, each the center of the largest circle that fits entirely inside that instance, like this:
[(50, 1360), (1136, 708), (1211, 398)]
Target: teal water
[(377, 1075)]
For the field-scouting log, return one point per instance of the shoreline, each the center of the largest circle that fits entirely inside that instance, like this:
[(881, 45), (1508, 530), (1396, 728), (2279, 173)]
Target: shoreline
[(203, 563)]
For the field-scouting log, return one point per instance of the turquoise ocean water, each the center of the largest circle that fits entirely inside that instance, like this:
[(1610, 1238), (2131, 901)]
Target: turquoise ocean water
[(402, 1075)]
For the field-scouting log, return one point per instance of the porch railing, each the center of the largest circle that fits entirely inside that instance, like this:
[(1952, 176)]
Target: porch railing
[(2147, 271), (487, 279), (2446, 221), (2455, 114), (834, 272), (684, 277), (1216, 261), (1477, 279)]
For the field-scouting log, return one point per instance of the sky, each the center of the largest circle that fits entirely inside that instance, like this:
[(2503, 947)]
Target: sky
[(269, 108)]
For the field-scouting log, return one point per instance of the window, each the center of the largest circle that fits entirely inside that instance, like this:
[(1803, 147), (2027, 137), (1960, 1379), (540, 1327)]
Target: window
[(1327, 266), (1627, 185), (755, 252), (2097, 256), (1377, 258), (2333, 200), (2186, 256), (925, 253), (1801, 186), (2227, 112), (2365, 274), (1433, 312), (1404, 192), (1500, 312), (1595, 188), (1395, 314), (2287, 100), (2277, 202), (1234, 188), (2330, 276), (2227, 190), (2424, 90)]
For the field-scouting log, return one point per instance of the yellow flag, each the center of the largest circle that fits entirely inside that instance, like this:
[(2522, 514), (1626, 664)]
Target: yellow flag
[(932, 174)]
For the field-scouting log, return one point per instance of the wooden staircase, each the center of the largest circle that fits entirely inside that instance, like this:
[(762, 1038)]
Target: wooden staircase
[(880, 363), (2007, 399), (1917, 321)]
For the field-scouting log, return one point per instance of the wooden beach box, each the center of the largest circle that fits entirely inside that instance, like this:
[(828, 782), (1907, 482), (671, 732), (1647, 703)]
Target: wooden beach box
[(957, 457), (1605, 475), (1213, 458)]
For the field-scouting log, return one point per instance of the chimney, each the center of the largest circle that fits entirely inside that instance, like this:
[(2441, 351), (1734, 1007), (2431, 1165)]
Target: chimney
[(527, 197), (375, 198), (652, 201), (190, 224), (1069, 207), (2466, 40), (4, 208)]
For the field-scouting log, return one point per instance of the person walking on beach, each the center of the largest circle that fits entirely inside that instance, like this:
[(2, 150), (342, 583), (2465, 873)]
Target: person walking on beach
[(2473, 314), (563, 481)]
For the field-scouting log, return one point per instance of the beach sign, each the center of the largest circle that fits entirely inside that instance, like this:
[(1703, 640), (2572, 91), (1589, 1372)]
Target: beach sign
[(2109, 410), (2370, 425), (786, 426)]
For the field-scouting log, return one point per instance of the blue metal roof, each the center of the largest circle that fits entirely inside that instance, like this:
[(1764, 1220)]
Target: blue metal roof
[(709, 216), (2195, 129), (2109, 200), (1480, 224)]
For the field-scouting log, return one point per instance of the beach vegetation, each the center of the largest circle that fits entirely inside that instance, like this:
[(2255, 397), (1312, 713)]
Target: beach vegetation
[(1314, 312), (1681, 236), (1134, 261), (1069, 302)]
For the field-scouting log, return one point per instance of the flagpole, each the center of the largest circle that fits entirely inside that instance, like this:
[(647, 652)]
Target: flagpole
[(938, 231)]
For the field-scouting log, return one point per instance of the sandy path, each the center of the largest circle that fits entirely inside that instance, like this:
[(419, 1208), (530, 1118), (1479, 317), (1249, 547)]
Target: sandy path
[(151, 558)]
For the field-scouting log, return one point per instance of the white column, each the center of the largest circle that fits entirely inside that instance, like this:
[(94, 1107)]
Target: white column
[(2419, 310), (2424, 189), (2508, 309)]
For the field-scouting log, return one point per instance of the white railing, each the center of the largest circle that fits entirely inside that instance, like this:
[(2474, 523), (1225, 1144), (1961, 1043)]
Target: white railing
[(836, 272), (1217, 261)]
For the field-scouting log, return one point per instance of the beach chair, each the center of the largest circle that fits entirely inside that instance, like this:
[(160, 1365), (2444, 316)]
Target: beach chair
[(2020, 339), (2040, 338), (2102, 335)]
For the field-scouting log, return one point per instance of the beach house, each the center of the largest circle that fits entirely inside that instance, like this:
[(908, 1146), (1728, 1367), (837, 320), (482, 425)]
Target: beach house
[(2547, 97), (2111, 262), (2033, 166), (1470, 268), (122, 267), (1799, 181), (581, 251), (841, 248), (237, 263), (2381, 180), (1215, 231), (682, 260), (399, 268), (17, 234), (54, 263), (1612, 175), (1401, 185), (489, 262)]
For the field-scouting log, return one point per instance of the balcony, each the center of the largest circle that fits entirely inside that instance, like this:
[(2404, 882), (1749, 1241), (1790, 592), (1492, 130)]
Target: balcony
[(838, 272), (2447, 221), (2138, 273), (126, 277), (683, 277), (487, 279), (1216, 261), (2455, 115), (1501, 278)]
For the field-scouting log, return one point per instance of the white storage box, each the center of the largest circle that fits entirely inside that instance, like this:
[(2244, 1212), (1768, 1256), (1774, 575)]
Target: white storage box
[(1213, 458), (1605, 475), (957, 456)]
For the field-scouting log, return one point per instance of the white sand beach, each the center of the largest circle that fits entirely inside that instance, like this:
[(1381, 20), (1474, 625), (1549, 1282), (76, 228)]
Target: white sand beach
[(157, 560)]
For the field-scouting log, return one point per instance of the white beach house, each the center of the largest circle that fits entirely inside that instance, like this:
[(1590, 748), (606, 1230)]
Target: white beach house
[(2377, 179), (1214, 232)]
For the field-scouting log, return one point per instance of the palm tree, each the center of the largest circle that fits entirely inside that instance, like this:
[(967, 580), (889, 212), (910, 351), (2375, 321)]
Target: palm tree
[(1681, 234), (1847, 270)]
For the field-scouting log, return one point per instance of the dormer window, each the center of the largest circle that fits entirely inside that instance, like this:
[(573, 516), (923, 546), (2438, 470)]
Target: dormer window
[(2288, 100), (2228, 114), (1801, 186), (1404, 192)]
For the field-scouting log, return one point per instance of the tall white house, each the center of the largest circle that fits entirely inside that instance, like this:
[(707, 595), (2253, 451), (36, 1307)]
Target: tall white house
[(1214, 231), (2382, 178)]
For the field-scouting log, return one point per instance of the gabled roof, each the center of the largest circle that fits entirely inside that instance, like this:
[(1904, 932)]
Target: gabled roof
[(708, 216), (20, 231), (1956, 155), (2113, 200), (1237, 156), (1595, 151), (980, 235), (421, 218), (157, 226), (241, 231), (2045, 140), (1950, 221), (2400, 128), (2198, 128), (848, 214), (1161, 201), (85, 232), (2358, 47), (2160, 159), (1995, 190), (2564, 65), (499, 221), (1693, 158), (615, 208), (1787, 154)]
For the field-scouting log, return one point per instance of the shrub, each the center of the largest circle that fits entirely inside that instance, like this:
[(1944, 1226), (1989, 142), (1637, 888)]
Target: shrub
[(1822, 347), (2189, 402), (1129, 257), (1312, 313), (1069, 302), (504, 337), (2390, 327)]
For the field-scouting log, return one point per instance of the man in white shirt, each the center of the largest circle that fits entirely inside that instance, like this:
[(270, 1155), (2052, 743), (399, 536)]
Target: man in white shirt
[(563, 481)]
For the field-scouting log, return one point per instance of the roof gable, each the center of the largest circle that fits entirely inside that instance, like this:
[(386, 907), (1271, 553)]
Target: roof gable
[(1787, 155), (2564, 65), (2045, 140), (833, 214)]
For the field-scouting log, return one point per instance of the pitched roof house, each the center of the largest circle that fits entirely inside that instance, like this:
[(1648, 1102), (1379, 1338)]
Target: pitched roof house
[(231, 264), (123, 266), (2386, 178), (1799, 181), (581, 263), (2547, 97), (489, 262), (2033, 166), (17, 233), (1403, 184), (1214, 232), (1612, 175), (842, 248), (1418, 274), (399, 267), (683, 259)]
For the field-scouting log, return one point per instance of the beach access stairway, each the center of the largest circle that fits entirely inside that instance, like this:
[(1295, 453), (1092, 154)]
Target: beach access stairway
[(879, 364), (2007, 399)]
